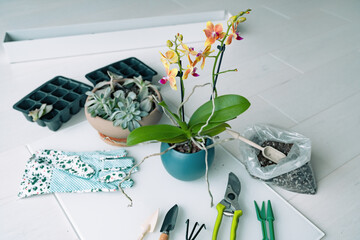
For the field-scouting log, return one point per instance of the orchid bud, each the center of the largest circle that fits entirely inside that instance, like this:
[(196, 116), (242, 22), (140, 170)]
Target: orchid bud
[(179, 37), (241, 19), (232, 19), (169, 43)]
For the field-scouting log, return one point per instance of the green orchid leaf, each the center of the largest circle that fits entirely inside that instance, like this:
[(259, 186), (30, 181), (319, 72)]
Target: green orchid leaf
[(227, 107), (195, 129), (209, 128), (216, 130), (175, 116), (162, 133)]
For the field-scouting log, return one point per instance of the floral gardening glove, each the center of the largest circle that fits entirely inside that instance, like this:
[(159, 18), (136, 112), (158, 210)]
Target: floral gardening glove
[(70, 164)]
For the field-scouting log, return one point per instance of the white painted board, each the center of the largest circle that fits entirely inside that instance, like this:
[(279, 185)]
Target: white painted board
[(107, 216), (85, 39)]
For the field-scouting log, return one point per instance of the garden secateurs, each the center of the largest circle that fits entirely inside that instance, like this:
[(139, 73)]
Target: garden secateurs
[(229, 206)]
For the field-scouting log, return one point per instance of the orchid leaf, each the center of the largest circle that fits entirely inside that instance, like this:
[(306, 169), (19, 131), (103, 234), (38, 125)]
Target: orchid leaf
[(175, 116), (216, 130), (211, 129), (162, 133), (227, 107)]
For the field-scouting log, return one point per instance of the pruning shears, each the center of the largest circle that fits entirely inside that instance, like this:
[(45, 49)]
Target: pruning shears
[(229, 206)]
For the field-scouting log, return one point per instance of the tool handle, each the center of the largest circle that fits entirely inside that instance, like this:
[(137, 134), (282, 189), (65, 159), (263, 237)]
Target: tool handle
[(143, 233), (271, 230), (234, 224), (141, 237), (164, 236), (245, 140), (263, 228), (220, 208)]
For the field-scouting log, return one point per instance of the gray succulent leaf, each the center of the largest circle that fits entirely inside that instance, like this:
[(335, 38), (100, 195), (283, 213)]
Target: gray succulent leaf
[(146, 105), (119, 94), (101, 84), (131, 95), (36, 114)]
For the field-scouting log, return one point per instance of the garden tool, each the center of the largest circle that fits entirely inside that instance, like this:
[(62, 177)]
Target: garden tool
[(262, 217), (169, 222), (187, 237), (229, 206), (269, 152), (149, 225)]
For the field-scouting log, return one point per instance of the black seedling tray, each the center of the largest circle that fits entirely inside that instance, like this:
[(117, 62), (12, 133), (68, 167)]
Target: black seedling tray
[(128, 68), (67, 97)]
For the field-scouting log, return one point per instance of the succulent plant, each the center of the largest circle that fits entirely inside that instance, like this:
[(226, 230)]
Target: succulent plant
[(128, 112), (144, 86), (36, 114), (124, 104)]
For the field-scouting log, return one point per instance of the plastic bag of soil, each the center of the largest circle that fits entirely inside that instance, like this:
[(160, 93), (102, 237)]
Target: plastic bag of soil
[(293, 173)]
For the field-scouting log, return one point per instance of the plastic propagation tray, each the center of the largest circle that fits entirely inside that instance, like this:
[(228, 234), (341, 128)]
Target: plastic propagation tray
[(128, 68), (67, 97)]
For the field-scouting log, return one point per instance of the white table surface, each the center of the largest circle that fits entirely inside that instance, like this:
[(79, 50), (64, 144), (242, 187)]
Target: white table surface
[(307, 84), (154, 188), (90, 214)]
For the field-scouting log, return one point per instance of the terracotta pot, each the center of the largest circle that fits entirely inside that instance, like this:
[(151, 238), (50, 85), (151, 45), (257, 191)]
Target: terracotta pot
[(116, 135)]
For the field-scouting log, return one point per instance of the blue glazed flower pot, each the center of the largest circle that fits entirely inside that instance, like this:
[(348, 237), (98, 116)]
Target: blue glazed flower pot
[(186, 166)]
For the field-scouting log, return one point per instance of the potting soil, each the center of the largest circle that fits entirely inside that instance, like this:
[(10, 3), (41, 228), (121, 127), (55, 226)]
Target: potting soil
[(300, 180)]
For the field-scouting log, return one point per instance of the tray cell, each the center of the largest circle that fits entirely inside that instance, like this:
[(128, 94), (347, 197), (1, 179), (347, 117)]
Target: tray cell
[(59, 92), (48, 88), (49, 100), (37, 96)]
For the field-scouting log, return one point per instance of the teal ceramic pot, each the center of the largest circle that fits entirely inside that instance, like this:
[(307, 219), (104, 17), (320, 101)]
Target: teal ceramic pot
[(186, 166)]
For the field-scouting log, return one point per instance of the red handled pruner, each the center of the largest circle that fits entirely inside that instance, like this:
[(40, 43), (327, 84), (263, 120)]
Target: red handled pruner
[(229, 206)]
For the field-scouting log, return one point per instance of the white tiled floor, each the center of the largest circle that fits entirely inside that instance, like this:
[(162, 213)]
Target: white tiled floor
[(298, 65), (317, 90)]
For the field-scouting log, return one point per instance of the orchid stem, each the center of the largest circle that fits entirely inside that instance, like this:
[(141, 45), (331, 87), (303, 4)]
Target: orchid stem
[(231, 70), (182, 96), (182, 88), (215, 75), (221, 48)]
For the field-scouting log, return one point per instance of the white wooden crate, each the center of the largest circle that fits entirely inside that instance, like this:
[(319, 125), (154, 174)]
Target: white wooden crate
[(93, 38)]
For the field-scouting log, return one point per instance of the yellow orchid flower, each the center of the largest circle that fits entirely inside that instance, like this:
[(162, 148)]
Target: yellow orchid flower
[(191, 69), (187, 50), (204, 54), (234, 34), (213, 33), (170, 77), (169, 58)]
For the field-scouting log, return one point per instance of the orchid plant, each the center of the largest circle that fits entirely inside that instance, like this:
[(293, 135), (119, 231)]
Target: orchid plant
[(211, 117)]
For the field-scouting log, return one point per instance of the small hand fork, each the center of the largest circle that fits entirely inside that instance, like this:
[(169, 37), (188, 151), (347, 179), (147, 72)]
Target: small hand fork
[(192, 232), (263, 217)]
